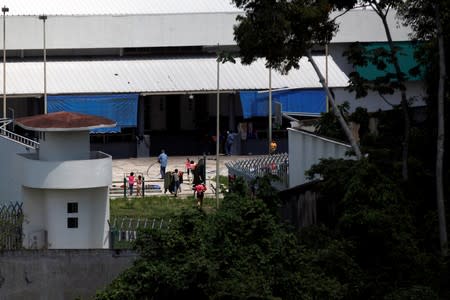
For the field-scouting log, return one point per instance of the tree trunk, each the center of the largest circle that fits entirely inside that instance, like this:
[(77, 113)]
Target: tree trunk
[(440, 138), (336, 110), (404, 101)]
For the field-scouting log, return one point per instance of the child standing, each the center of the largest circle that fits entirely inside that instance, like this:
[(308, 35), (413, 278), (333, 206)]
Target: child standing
[(188, 166), (139, 186), (131, 183), (200, 189)]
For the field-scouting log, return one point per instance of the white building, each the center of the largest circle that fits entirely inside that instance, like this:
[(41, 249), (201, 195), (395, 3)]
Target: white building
[(161, 55), (62, 184)]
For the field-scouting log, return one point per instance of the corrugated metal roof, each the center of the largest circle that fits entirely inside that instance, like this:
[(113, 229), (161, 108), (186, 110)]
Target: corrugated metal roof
[(116, 7), (172, 75)]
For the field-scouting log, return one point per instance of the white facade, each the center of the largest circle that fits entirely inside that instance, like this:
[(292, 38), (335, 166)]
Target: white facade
[(87, 32)]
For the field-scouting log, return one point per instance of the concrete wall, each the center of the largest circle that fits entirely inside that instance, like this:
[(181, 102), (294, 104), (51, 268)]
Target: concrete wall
[(59, 274), (26, 32), (46, 211), (59, 146), (69, 174), (364, 25), (10, 189), (307, 149)]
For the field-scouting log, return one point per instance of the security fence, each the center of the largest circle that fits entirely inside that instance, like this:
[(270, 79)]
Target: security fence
[(11, 219), (276, 165), (124, 230)]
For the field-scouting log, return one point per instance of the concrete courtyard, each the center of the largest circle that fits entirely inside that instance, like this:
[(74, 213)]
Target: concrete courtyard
[(149, 168)]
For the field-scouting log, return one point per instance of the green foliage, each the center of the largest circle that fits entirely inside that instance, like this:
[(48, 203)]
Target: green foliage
[(240, 252), (328, 124), (375, 218), (282, 31)]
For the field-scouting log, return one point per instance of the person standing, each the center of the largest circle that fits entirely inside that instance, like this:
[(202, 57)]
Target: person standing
[(188, 167), (176, 182), (163, 159), (200, 189), (139, 186), (229, 142), (131, 183), (273, 147)]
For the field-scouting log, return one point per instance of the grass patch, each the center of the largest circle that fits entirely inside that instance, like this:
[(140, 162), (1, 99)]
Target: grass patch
[(155, 206), (130, 214)]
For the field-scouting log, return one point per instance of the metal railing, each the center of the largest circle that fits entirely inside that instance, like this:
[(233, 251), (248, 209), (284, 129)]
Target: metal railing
[(29, 143), (276, 165), (124, 230)]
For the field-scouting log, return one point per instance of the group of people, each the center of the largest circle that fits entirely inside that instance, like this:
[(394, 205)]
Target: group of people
[(132, 181), (173, 180)]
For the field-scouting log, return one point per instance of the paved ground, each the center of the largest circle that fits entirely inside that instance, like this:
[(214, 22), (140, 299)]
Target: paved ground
[(149, 168)]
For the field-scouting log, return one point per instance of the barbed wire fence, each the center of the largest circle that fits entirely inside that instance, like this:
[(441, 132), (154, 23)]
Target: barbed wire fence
[(11, 232)]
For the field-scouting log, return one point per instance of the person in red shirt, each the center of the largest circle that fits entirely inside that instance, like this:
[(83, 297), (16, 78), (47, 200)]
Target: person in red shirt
[(188, 167), (131, 183), (200, 189)]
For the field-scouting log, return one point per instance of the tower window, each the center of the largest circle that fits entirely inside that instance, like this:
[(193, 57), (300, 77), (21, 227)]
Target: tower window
[(72, 207), (72, 222)]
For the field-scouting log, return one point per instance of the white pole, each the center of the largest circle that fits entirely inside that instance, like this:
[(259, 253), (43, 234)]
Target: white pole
[(270, 108), (217, 133), (44, 18), (4, 10)]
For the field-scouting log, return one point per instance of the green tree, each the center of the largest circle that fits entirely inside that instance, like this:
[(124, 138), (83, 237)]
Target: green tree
[(430, 23), (375, 218), (283, 31), (240, 252)]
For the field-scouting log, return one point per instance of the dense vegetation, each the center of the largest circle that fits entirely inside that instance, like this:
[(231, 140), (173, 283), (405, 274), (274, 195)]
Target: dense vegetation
[(371, 250)]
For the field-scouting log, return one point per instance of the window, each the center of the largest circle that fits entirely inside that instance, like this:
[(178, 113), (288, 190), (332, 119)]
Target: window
[(72, 207), (72, 222)]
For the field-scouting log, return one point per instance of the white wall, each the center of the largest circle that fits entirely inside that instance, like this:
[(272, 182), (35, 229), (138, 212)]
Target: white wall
[(201, 29), (70, 174), (26, 32), (91, 218), (46, 210), (10, 190), (365, 25), (307, 149), (373, 102), (58, 146), (35, 216)]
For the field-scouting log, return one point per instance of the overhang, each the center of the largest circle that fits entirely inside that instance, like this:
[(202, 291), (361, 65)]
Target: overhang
[(160, 76)]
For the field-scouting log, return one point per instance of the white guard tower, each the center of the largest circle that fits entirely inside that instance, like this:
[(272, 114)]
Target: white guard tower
[(65, 185)]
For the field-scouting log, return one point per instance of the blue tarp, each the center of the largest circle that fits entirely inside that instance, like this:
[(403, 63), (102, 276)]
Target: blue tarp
[(121, 108), (308, 102)]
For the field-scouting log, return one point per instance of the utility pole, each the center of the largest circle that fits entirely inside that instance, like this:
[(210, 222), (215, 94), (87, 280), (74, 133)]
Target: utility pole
[(4, 10), (44, 18)]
